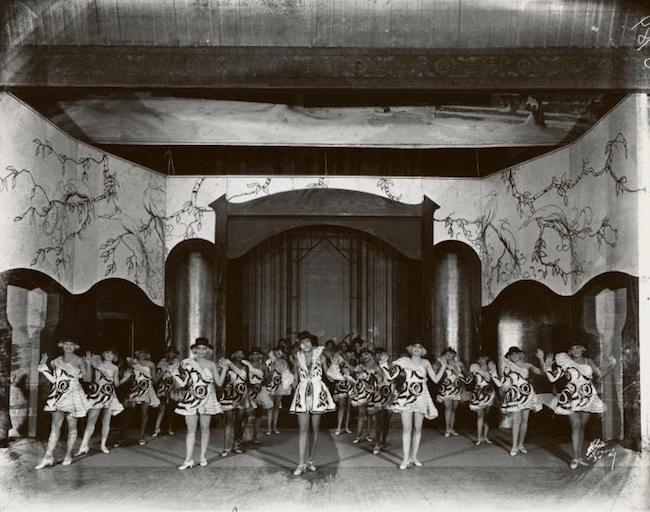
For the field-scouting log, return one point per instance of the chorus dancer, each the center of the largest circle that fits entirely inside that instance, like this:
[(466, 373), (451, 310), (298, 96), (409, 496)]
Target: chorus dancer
[(236, 401), (520, 397), (413, 400), (578, 398), (260, 396), (278, 386), (452, 388), (482, 399), (142, 393), (67, 400), (380, 402), (364, 380), (311, 398), (103, 398), (167, 390), (338, 373), (197, 376)]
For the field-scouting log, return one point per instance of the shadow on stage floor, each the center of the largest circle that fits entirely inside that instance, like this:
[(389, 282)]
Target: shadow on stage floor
[(348, 477)]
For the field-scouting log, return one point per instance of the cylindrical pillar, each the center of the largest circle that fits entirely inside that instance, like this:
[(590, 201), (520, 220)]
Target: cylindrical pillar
[(456, 300), (190, 294)]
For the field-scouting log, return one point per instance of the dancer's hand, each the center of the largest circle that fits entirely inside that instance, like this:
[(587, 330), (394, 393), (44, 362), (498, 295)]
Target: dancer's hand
[(384, 357), (612, 360), (491, 366), (540, 354), (442, 361), (43, 359), (549, 360)]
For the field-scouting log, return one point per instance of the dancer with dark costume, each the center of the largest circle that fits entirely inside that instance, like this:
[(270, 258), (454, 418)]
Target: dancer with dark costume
[(380, 402), (260, 396), (578, 398), (167, 390), (482, 399), (103, 398), (338, 373), (235, 400), (364, 381), (520, 397), (142, 393), (197, 377), (278, 386), (452, 388), (67, 400), (311, 399), (413, 400)]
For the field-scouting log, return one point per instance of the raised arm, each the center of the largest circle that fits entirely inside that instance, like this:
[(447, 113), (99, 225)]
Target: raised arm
[(435, 377), (45, 369), (499, 381)]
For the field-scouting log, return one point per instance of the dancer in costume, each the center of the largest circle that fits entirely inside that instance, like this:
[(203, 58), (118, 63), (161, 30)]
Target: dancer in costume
[(380, 402), (482, 399), (413, 400), (311, 399), (364, 384), (236, 401), (197, 376), (260, 396), (338, 373), (166, 389), (278, 386), (142, 393), (103, 398), (452, 388), (67, 399), (578, 399), (520, 397)]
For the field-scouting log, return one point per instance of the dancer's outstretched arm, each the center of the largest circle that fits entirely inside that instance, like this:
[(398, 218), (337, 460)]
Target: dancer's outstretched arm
[(435, 377)]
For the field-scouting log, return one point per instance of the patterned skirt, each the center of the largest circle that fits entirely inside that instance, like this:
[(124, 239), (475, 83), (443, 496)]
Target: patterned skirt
[(521, 397), (422, 404), (312, 396), (102, 396), (68, 397), (202, 402), (482, 397)]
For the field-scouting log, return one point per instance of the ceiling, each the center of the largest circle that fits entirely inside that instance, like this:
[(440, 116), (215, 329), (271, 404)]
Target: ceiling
[(395, 87)]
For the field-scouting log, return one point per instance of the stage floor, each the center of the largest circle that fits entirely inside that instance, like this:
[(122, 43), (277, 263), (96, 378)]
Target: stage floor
[(456, 476)]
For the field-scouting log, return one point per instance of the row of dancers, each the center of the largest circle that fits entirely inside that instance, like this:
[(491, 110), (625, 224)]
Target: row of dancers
[(198, 388)]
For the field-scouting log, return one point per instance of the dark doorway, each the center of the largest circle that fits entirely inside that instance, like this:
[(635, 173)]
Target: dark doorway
[(336, 282), (116, 330)]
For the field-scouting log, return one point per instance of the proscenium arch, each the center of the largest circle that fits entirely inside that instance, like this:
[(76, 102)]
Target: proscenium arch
[(241, 226)]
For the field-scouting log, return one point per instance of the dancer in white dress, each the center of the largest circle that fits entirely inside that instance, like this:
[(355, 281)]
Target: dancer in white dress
[(452, 388), (413, 400), (103, 398), (142, 393), (311, 399), (197, 402), (578, 399), (167, 390), (520, 397), (483, 396), (67, 399)]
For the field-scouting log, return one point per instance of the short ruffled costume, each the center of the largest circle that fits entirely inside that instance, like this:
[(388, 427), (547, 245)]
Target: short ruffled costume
[(520, 395), (579, 393), (342, 387), (235, 393), (381, 397), (166, 387), (452, 386), (198, 395), (67, 394), (276, 384), (311, 393), (102, 391), (142, 390), (413, 395), (362, 388), (483, 394), (259, 395)]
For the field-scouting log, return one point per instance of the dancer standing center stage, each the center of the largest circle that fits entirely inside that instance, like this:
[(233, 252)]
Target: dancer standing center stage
[(413, 400), (198, 401), (311, 399)]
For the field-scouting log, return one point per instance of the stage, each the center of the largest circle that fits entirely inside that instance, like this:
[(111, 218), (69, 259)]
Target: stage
[(456, 475)]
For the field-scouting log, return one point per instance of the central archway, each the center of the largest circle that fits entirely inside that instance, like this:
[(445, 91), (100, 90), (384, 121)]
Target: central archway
[(336, 282), (239, 227)]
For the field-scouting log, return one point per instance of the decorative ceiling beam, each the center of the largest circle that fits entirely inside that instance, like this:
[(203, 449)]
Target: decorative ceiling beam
[(623, 69)]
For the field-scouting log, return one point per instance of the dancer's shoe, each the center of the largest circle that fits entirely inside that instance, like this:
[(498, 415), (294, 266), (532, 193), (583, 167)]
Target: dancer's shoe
[(522, 449), (417, 463), (310, 466), (225, 453), (82, 451), (156, 433), (574, 464), (142, 442), (47, 461), (203, 462), (188, 464), (403, 465), (299, 470), (104, 449), (513, 452), (487, 440), (67, 461)]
